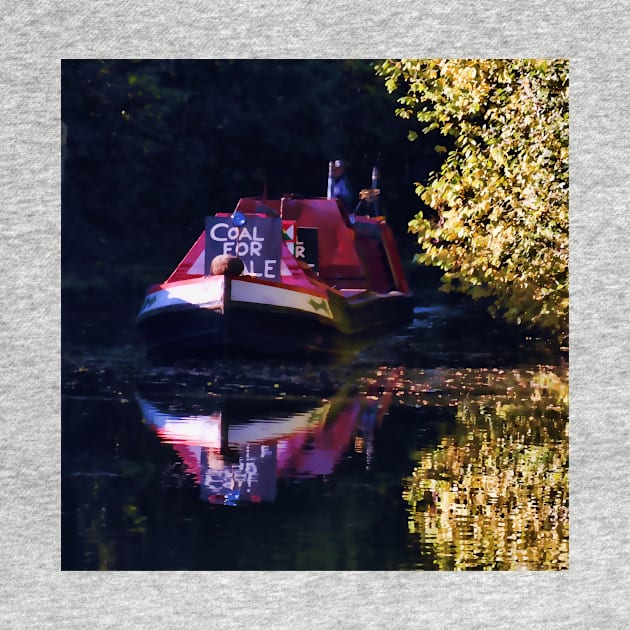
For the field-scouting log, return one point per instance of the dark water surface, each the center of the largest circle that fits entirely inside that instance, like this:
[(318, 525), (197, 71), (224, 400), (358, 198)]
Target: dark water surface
[(442, 446)]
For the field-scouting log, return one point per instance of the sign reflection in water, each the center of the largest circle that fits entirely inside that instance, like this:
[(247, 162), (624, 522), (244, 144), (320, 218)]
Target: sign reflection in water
[(237, 456), (401, 468)]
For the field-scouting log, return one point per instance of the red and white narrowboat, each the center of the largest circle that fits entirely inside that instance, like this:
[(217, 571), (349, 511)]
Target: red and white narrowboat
[(283, 276), (237, 448)]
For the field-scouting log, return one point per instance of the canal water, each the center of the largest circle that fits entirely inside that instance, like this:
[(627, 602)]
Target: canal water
[(441, 446)]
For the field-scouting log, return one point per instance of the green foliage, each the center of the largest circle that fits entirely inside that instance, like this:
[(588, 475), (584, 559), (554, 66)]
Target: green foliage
[(501, 194)]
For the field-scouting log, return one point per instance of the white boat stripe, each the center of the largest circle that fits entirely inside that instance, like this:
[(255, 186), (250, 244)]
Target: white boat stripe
[(252, 293), (203, 293)]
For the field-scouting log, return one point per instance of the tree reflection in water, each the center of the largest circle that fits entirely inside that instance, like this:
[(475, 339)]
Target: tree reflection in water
[(494, 495), (480, 457)]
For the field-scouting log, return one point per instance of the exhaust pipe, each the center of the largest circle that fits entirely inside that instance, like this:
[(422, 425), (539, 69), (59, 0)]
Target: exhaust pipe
[(375, 186), (331, 180)]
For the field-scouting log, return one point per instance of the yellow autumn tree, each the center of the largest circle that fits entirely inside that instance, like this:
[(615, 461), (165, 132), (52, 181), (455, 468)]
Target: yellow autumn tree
[(501, 195)]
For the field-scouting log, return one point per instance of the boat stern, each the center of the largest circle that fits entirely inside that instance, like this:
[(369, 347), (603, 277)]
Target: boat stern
[(185, 315)]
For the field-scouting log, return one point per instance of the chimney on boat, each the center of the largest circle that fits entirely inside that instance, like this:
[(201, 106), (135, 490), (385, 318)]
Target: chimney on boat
[(331, 180), (374, 177), (375, 186)]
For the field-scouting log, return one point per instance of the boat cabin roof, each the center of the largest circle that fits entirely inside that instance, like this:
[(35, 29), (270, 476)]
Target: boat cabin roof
[(338, 256), (350, 257)]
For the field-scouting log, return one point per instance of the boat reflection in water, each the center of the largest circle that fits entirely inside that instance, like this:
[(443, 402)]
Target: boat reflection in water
[(237, 448)]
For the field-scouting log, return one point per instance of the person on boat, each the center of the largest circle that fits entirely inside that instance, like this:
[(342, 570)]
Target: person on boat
[(341, 186)]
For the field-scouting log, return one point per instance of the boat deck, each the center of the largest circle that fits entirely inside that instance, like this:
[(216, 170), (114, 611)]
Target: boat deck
[(351, 292)]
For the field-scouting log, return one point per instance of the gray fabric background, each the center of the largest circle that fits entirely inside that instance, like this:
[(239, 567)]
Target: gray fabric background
[(34, 593)]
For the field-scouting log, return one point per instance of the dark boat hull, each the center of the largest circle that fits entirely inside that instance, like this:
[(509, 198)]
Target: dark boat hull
[(274, 329)]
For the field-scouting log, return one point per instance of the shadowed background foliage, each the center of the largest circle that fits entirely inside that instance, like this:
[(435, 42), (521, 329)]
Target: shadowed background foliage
[(155, 145)]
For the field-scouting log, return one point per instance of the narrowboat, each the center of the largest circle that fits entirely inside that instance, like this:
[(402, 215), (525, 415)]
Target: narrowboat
[(284, 276)]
